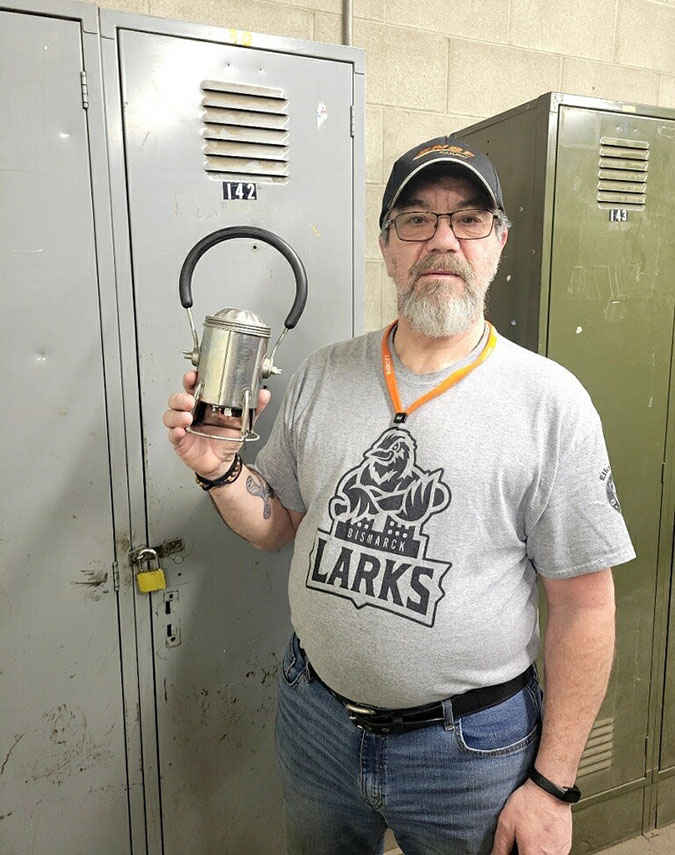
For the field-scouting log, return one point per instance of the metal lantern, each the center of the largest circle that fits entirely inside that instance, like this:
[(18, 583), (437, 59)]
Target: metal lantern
[(232, 359)]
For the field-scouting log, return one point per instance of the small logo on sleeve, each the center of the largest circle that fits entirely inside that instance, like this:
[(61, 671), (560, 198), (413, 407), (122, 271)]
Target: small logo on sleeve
[(375, 553), (606, 476)]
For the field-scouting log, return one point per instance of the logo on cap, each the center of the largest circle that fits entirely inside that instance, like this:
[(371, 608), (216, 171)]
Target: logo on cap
[(456, 150)]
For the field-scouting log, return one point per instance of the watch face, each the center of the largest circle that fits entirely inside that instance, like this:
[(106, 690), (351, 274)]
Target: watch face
[(572, 794)]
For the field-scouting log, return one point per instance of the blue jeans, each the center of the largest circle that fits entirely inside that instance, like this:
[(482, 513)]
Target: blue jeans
[(440, 788)]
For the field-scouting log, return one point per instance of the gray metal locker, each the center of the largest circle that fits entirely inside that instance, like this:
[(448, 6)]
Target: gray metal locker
[(62, 728), (134, 722), (181, 101)]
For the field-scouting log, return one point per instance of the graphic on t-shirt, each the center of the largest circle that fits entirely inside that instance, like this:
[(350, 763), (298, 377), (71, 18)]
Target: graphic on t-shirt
[(611, 489), (375, 553)]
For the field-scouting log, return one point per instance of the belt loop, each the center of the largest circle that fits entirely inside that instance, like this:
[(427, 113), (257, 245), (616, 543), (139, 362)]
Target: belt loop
[(449, 719), (309, 672)]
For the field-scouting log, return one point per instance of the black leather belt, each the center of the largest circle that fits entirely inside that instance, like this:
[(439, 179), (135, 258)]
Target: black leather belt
[(379, 720)]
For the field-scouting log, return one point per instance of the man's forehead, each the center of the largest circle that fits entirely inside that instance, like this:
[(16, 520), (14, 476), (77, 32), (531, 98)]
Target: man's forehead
[(422, 192)]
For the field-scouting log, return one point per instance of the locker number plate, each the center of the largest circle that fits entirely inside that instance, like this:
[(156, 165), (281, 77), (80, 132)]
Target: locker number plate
[(618, 215), (235, 190)]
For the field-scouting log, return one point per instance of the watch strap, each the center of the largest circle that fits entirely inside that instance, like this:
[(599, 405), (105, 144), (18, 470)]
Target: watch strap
[(228, 478), (571, 795)]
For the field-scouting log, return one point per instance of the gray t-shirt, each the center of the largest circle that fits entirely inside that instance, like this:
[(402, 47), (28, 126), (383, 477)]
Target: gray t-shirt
[(414, 569)]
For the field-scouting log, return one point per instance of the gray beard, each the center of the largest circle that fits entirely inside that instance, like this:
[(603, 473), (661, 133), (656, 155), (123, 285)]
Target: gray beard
[(438, 313), (440, 309)]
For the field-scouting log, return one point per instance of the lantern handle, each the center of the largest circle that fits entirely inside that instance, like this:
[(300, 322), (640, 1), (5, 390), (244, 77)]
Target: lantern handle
[(191, 259)]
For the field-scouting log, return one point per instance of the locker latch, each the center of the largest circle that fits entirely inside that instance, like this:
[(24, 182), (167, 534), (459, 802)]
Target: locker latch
[(162, 550)]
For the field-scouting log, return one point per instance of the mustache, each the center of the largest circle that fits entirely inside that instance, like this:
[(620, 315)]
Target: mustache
[(446, 262)]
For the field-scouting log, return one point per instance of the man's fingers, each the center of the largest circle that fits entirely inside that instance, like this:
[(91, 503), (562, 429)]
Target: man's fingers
[(190, 381), (174, 418), (264, 396), (176, 435), (505, 840), (181, 401)]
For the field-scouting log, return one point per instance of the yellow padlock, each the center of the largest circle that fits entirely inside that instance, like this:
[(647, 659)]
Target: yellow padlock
[(150, 580)]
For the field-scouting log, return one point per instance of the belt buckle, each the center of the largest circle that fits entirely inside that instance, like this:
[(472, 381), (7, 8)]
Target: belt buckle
[(355, 708), (358, 715)]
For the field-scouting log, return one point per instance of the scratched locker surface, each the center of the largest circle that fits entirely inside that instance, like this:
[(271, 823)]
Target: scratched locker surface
[(62, 751)]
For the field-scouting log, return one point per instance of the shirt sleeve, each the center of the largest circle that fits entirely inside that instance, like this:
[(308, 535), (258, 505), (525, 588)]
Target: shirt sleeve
[(580, 528), (277, 460)]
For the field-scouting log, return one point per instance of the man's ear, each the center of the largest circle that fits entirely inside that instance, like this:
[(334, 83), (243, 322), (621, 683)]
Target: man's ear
[(504, 238), (384, 249)]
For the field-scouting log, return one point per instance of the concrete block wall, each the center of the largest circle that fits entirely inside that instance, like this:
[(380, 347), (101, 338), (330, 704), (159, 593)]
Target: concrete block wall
[(436, 66)]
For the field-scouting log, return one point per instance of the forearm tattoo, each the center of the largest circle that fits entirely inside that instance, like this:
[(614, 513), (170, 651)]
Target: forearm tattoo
[(257, 486)]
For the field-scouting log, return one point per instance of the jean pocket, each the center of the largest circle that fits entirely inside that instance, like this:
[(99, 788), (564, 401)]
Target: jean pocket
[(294, 665), (505, 728)]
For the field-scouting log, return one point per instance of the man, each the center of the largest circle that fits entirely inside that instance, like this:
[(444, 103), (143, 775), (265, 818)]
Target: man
[(430, 476)]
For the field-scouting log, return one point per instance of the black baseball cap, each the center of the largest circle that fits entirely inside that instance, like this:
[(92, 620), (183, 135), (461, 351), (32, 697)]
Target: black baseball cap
[(450, 150)]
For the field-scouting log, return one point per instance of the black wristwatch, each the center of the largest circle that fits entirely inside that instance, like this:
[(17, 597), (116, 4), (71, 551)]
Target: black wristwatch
[(571, 795)]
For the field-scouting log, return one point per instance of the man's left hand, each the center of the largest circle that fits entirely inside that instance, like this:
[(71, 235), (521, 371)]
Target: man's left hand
[(536, 821)]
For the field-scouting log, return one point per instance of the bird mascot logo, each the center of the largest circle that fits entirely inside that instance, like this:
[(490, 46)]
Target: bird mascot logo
[(375, 551)]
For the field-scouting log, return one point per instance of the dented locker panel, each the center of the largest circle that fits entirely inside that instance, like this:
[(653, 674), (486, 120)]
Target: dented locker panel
[(61, 727), (221, 626)]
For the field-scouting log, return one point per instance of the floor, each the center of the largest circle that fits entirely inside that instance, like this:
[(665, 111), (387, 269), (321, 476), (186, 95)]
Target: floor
[(660, 842)]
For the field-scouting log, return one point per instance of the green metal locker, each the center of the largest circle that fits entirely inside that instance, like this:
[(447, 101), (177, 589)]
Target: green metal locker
[(588, 279)]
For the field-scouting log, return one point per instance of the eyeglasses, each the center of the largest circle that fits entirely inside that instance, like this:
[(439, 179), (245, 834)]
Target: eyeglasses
[(467, 224)]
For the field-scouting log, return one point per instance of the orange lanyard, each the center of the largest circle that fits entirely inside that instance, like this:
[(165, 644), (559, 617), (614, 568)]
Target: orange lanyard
[(401, 412)]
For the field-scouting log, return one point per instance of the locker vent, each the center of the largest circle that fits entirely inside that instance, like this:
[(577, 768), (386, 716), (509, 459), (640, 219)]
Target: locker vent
[(245, 132), (599, 751), (622, 177)]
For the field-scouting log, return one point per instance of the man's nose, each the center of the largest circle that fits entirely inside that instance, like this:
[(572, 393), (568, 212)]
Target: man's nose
[(444, 239)]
